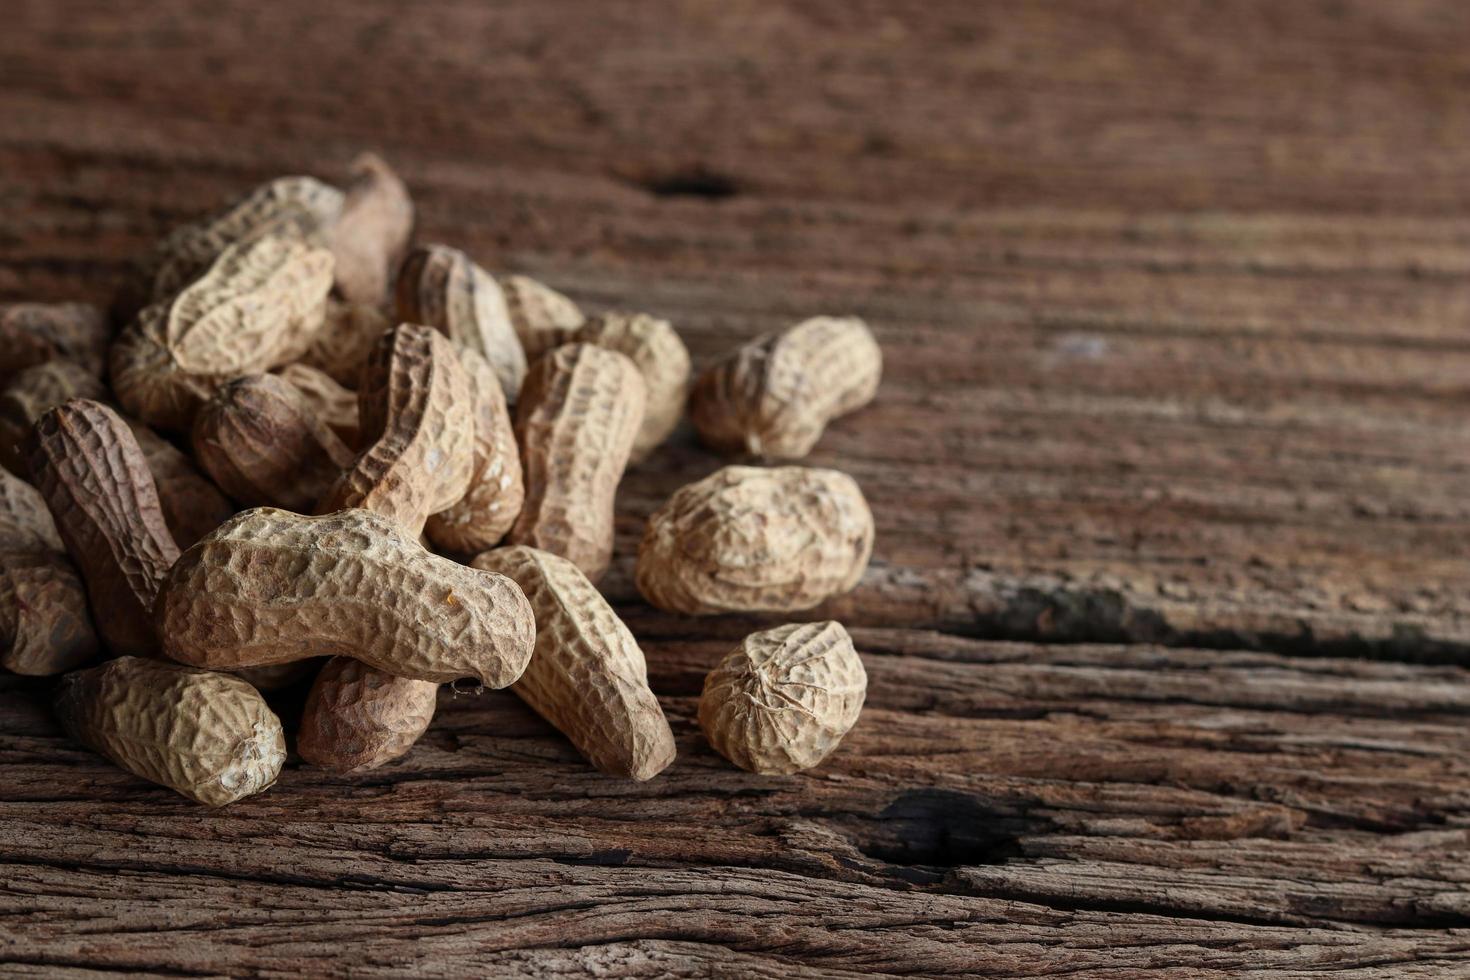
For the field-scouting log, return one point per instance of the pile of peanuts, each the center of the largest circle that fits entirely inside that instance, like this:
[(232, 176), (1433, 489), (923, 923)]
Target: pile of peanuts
[(427, 457)]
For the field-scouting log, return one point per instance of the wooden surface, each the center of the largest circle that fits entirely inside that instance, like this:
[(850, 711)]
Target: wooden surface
[(1169, 616)]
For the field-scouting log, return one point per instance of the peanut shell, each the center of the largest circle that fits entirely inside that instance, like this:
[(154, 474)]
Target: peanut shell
[(782, 700), (34, 333), (662, 359), (542, 317), (746, 539), (329, 401), (774, 396), (208, 736), (344, 340), (371, 233), (588, 676), (576, 422), (29, 393), (359, 718)]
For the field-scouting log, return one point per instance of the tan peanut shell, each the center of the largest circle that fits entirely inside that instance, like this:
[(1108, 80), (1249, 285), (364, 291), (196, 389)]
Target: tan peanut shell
[(264, 445), (87, 465), (663, 360), (746, 539), (417, 420), (345, 339), (497, 489), (357, 717), (254, 309), (29, 393), (576, 422), (45, 627), (782, 700), (208, 736), (588, 676), (442, 288), (774, 396), (542, 317), (371, 232), (34, 333), (330, 401), (273, 587)]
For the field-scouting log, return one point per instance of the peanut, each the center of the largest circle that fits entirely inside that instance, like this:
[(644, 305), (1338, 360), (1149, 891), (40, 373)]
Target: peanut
[(654, 346), (442, 288), (332, 403), (255, 309), (782, 700), (88, 467), (359, 718), (746, 539), (34, 333), (344, 340), (44, 624), (371, 233), (208, 736), (262, 443), (542, 317), (576, 422), (588, 677), (497, 489), (774, 396), (271, 587), (31, 392)]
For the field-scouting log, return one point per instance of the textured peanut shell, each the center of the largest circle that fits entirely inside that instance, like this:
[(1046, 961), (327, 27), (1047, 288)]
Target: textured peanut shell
[(371, 232), (329, 401), (344, 340), (782, 700), (256, 308), (588, 676), (208, 736), (264, 445), (359, 718), (88, 467), (662, 359), (34, 333), (25, 523), (273, 587), (774, 396), (442, 288), (29, 393), (542, 317), (417, 420), (746, 539), (302, 206), (497, 489), (576, 422)]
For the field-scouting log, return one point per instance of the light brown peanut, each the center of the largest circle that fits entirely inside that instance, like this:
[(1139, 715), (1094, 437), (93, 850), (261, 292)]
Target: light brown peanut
[(497, 489), (746, 539), (774, 396), (357, 717), (34, 333), (264, 445), (45, 627), (31, 392), (542, 317), (208, 736), (272, 587), (330, 401), (344, 340), (588, 676), (254, 309), (662, 359), (371, 232), (88, 467), (576, 422), (782, 700), (442, 288)]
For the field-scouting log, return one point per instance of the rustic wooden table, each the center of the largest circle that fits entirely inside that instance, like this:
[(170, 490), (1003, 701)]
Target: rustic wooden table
[(1169, 614)]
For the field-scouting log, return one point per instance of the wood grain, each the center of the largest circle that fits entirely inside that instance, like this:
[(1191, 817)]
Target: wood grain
[(1168, 622)]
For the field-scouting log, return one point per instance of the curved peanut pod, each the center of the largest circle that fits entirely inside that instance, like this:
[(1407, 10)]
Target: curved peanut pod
[(25, 523), (418, 421), (774, 396), (369, 236), (663, 360), (208, 736), (441, 287), (256, 308), (31, 392), (576, 422), (192, 505), (487, 510), (588, 676), (260, 441), (542, 317), (87, 465), (34, 333), (358, 718), (273, 587), (344, 340), (328, 400), (746, 539)]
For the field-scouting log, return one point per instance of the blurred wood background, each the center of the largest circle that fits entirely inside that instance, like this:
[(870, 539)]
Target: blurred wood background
[(1169, 617)]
